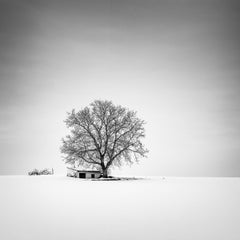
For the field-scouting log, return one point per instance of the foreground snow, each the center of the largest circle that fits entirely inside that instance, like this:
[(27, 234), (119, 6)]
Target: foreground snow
[(51, 207)]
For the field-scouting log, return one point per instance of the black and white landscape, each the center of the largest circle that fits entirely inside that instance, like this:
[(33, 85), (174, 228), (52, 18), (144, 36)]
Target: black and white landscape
[(173, 62)]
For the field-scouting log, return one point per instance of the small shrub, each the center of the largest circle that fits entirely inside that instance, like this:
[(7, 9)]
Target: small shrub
[(45, 171), (33, 172)]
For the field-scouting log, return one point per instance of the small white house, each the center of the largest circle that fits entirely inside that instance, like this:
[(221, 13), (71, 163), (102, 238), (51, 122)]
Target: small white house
[(72, 172)]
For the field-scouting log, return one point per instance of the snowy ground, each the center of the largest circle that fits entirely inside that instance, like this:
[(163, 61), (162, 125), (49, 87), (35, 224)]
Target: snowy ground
[(56, 207)]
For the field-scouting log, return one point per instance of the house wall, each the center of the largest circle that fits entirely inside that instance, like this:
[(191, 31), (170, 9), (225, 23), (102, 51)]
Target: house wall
[(88, 175), (97, 175), (72, 173)]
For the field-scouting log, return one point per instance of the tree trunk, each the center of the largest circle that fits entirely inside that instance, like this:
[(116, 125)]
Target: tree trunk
[(105, 173)]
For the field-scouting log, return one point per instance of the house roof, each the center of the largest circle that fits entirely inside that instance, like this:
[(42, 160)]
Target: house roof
[(83, 171)]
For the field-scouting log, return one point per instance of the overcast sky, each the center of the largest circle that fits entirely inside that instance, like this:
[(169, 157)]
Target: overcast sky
[(175, 62)]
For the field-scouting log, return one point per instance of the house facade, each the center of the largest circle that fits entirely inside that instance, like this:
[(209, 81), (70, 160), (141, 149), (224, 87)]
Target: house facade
[(72, 172)]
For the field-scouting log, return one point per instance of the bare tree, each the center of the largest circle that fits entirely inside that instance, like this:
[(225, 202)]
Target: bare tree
[(103, 135)]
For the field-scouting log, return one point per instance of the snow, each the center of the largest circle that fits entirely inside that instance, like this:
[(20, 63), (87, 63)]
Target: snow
[(59, 207)]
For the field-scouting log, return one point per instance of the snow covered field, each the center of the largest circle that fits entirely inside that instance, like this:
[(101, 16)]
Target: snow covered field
[(57, 207)]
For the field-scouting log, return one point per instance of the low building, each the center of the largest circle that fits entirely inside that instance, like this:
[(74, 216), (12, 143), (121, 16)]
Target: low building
[(73, 172)]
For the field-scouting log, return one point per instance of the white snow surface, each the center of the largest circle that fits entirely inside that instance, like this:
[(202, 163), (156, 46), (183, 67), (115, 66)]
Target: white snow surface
[(59, 207)]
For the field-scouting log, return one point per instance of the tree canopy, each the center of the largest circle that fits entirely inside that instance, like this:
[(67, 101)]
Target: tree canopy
[(102, 136)]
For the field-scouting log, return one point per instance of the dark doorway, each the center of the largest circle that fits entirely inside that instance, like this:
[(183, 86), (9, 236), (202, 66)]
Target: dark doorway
[(92, 175), (82, 175)]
